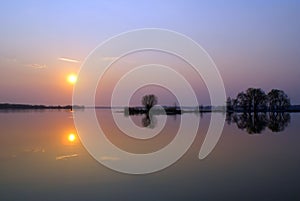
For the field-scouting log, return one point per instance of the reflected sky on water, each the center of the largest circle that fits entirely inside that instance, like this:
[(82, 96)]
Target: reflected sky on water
[(42, 158)]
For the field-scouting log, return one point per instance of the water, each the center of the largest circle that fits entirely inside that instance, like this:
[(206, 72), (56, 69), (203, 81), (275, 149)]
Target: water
[(40, 161)]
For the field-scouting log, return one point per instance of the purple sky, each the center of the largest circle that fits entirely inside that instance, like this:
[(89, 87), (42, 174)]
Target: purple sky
[(254, 44)]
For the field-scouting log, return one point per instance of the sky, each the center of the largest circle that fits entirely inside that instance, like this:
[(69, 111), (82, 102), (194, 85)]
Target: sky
[(253, 43)]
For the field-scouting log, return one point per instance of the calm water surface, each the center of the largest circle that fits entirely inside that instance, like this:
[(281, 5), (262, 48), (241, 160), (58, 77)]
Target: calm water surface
[(41, 158)]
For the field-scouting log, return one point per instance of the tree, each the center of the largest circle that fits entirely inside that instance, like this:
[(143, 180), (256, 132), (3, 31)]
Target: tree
[(256, 98), (241, 101), (251, 100), (149, 101), (278, 100), (229, 106)]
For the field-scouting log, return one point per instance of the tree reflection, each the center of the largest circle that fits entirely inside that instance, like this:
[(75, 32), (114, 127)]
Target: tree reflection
[(279, 121), (252, 123), (149, 121), (255, 123)]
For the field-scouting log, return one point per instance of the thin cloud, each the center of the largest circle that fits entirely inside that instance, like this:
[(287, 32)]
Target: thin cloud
[(66, 156), (36, 66), (68, 60)]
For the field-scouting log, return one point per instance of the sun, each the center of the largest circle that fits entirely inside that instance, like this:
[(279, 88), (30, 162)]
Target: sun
[(71, 137), (72, 78)]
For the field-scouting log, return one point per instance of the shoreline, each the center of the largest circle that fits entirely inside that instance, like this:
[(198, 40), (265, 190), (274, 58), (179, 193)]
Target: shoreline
[(139, 109)]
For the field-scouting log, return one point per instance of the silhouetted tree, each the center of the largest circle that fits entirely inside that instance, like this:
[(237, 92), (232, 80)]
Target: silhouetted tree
[(229, 106), (241, 101), (257, 98), (228, 117), (252, 100), (149, 101), (234, 103), (278, 100)]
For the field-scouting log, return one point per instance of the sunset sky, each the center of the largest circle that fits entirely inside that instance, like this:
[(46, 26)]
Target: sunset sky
[(42, 43)]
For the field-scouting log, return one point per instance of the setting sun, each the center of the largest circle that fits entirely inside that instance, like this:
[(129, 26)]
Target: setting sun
[(72, 78), (71, 137)]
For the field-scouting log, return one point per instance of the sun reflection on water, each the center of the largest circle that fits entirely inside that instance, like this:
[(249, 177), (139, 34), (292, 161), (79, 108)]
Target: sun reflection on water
[(71, 137)]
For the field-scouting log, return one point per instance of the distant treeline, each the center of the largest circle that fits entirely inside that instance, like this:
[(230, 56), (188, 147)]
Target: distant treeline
[(252, 100), (8, 106), (256, 100)]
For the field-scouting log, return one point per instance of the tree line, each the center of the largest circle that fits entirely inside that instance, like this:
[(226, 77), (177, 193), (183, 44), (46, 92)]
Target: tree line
[(256, 100), (252, 100)]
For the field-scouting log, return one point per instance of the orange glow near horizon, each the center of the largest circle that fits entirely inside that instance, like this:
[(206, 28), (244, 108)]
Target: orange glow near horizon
[(72, 78)]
